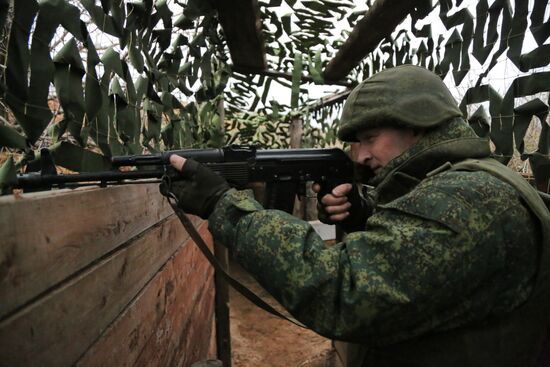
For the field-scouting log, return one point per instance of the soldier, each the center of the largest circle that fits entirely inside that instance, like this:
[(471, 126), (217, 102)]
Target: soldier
[(445, 262)]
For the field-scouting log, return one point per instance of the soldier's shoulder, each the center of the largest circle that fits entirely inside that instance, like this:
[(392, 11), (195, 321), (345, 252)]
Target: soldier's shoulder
[(469, 186), (455, 199)]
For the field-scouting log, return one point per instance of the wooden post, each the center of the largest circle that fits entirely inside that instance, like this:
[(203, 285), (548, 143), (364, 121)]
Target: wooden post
[(223, 332), (296, 133), (304, 207), (311, 203)]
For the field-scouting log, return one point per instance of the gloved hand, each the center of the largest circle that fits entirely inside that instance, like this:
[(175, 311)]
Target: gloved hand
[(197, 187), (343, 206)]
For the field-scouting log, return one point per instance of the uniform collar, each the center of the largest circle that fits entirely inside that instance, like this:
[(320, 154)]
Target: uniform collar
[(451, 142)]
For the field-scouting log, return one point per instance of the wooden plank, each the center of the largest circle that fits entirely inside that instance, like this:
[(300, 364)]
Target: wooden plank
[(191, 349), (154, 309), (241, 23), (48, 236), (183, 338), (56, 329), (378, 22)]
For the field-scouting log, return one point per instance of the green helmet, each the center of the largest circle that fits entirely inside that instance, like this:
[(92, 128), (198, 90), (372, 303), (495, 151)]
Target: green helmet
[(406, 95)]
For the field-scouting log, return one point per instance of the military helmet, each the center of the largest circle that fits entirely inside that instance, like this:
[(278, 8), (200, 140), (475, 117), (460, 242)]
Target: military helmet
[(406, 95)]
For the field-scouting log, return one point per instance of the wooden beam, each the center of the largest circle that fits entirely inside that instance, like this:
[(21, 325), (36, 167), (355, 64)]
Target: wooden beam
[(241, 23), (378, 23), (288, 76), (337, 97)]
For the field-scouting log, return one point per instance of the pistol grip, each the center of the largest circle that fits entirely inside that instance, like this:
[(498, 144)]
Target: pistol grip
[(328, 185)]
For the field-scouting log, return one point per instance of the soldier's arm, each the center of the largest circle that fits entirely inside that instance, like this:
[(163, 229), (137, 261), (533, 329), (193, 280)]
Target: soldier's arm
[(377, 286)]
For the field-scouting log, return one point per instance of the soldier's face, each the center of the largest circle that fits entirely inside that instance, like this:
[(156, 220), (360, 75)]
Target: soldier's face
[(378, 146)]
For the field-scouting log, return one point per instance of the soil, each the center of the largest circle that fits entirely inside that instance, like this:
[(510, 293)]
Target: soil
[(261, 339)]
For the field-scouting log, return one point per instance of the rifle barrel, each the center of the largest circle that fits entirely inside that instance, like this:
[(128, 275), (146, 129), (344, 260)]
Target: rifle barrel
[(213, 155), (38, 180)]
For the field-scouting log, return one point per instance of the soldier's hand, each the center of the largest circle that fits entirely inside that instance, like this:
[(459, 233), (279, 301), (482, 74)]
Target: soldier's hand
[(197, 188), (335, 206)]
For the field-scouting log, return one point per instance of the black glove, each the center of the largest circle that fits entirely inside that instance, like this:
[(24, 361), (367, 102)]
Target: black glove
[(197, 188)]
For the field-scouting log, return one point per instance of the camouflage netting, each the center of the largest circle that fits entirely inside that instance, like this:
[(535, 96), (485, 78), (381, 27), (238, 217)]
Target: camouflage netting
[(150, 75)]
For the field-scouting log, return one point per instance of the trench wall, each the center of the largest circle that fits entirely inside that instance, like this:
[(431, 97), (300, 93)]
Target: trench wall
[(102, 277)]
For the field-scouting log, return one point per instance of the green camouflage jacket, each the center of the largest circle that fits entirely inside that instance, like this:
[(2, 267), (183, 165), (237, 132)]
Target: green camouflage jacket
[(442, 249)]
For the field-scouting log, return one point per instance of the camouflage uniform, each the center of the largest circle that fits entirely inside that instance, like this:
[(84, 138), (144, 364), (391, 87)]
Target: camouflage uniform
[(444, 249), (435, 254)]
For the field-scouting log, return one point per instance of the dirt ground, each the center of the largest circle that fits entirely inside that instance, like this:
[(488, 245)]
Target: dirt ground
[(260, 339)]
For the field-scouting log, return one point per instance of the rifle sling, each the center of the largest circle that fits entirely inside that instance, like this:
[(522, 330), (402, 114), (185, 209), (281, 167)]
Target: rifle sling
[(238, 286)]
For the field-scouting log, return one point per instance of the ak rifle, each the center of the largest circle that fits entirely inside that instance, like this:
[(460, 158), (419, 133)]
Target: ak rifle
[(284, 171)]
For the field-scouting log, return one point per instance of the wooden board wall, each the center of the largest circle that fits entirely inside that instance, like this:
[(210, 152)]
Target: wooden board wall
[(101, 277)]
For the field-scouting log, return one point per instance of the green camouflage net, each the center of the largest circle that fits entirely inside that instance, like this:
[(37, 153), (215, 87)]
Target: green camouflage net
[(160, 83)]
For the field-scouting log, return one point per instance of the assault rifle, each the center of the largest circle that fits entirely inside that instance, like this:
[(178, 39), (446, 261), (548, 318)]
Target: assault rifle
[(284, 171)]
